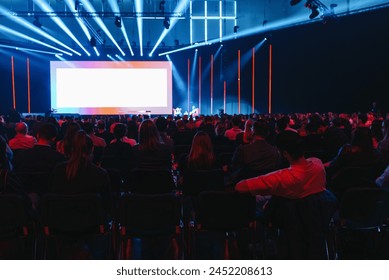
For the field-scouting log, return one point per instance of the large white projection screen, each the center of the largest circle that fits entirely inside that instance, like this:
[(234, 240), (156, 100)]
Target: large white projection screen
[(111, 87)]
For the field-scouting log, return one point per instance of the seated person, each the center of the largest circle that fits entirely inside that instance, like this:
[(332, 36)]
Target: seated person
[(151, 152), (304, 177), (79, 174), (118, 155), (21, 140), (258, 156), (199, 171), (38, 162), (360, 153)]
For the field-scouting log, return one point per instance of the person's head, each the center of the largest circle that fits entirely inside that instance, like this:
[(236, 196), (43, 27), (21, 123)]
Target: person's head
[(47, 133), (362, 138), (71, 129), (101, 125), (290, 145), (201, 154), (314, 123), (88, 127), (208, 120), (261, 128), (376, 129), (21, 128), (81, 153), (362, 117), (283, 123), (149, 137), (119, 131), (235, 121), (161, 124)]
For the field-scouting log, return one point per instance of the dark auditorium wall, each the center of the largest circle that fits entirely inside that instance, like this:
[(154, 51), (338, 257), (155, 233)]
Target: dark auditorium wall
[(39, 82), (340, 66)]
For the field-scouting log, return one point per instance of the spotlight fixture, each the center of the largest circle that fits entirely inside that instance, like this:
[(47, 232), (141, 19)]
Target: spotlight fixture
[(294, 2), (118, 22), (37, 23), (310, 4), (92, 42), (236, 28), (166, 22)]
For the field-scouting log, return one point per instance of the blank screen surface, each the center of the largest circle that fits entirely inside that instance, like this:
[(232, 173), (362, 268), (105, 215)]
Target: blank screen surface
[(110, 87)]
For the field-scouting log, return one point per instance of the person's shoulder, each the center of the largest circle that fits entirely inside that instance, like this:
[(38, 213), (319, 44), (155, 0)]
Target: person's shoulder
[(315, 160)]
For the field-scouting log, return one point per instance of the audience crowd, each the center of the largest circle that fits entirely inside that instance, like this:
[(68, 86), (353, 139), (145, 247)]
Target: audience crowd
[(286, 155)]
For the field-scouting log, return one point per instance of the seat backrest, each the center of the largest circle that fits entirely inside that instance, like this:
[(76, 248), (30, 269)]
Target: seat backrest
[(148, 215), (17, 231), (351, 177), (14, 217), (34, 182), (197, 181), (151, 181), (303, 223), (365, 207), (77, 213), (225, 210)]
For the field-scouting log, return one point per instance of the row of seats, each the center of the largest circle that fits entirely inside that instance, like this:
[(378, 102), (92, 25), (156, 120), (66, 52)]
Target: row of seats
[(78, 227), (220, 225)]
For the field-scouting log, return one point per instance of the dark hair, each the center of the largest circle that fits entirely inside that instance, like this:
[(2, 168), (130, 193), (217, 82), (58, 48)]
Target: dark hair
[(101, 124), (362, 138), (376, 130), (283, 123), (149, 138), (290, 142), (88, 127), (82, 149), (235, 121), (161, 124), (362, 117), (119, 131), (71, 129), (261, 128), (47, 131), (201, 154)]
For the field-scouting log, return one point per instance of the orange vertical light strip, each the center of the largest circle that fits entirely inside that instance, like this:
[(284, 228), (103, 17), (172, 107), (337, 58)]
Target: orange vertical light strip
[(28, 87), (211, 84), (253, 85), (270, 76), (238, 81), (188, 85), (200, 78), (13, 82), (225, 97)]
